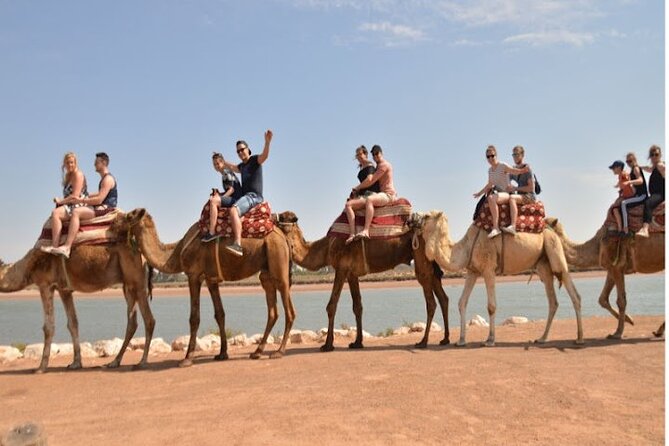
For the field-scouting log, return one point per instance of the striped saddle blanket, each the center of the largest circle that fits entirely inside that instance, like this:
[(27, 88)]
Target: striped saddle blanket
[(530, 217), (388, 221), (635, 219), (256, 223), (91, 232)]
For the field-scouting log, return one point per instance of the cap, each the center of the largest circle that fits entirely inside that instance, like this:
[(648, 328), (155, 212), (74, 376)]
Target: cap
[(617, 163)]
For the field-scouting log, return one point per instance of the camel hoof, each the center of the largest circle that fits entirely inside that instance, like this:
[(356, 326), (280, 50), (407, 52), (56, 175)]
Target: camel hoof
[(614, 336), (113, 365), (420, 345), (39, 371), (489, 344), (579, 342), (540, 341), (445, 341), (276, 355), (221, 357), (657, 334), (355, 345), (327, 348), (186, 363), (74, 366), (255, 355), (460, 343)]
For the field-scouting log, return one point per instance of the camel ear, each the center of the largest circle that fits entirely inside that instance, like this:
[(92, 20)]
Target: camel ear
[(141, 212)]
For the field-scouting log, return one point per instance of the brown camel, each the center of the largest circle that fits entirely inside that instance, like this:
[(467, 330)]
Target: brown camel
[(212, 263), (355, 260), (89, 269), (619, 256), (478, 255)]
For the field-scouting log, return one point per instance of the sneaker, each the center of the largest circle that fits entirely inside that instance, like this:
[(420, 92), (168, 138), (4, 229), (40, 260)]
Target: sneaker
[(235, 249), (46, 249), (61, 251), (494, 233), (643, 232), (208, 237), (509, 229)]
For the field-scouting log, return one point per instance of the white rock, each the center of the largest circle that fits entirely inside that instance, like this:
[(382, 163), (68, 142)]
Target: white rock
[(34, 351), (241, 340), (110, 347), (256, 338), (209, 342), (64, 349), (435, 327), (303, 337), (477, 320), (181, 343), (87, 350), (513, 320), (401, 330), (352, 333), (158, 346), (337, 332), (418, 327), (137, 344), (9, 353)]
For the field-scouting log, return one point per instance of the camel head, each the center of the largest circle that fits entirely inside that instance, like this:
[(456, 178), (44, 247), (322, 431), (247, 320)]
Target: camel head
[(130, 221), (287, 222), (435, 233)]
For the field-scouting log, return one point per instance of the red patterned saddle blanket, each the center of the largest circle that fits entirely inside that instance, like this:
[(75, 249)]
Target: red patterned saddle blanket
[(530, 217), (256, 223), (635, 219), (91, 232), (388, 221)]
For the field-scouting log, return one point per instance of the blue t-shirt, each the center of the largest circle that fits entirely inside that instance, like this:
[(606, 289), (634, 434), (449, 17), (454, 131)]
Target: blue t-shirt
[(251, 172)]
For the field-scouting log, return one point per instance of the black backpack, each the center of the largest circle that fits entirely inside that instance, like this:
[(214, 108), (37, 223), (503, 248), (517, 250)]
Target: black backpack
[(537, 187)]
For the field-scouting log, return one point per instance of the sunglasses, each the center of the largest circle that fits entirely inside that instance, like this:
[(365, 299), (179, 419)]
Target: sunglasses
[(516, 154), (241, 149), (654, 154), (490, 156)]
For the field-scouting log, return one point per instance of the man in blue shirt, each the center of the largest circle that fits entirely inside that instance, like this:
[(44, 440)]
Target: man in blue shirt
[(251, 171)]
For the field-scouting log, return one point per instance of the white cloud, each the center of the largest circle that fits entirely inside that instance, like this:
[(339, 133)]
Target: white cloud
[(401, 32), (551, 38)]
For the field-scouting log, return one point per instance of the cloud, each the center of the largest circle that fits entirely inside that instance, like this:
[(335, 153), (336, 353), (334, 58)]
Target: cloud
[(396, 33), (551, 38)]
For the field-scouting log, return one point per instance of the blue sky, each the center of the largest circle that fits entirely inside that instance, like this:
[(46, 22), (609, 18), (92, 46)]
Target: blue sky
[(160, 84)]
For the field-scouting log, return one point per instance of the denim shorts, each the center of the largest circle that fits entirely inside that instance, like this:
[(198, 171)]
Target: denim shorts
[(247, 202), (226, 202)]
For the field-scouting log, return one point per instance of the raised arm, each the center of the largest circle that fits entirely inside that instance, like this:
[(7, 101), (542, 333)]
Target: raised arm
[(265, 151), (231, 166)]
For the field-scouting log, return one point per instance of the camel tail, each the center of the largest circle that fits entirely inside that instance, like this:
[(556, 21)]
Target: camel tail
[(149, 281)]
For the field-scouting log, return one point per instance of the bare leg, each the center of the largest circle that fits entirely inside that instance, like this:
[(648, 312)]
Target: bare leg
[(356, 296), (470, 281), (78, 214), (58, 216), (236, 223), (351, 206), (272, 313), (340, 277), (489, 277), (374, 200), (46, 293), (219, 315), (194, 284), (546, 275), (494, 211), (214, 203), (73, 326), (514, 211)]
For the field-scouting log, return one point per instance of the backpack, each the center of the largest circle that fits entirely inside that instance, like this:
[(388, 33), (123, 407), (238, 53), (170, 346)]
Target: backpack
[(537, 187)]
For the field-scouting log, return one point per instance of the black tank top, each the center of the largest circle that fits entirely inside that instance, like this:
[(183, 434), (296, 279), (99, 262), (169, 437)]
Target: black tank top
[(656, 183), (641, 189)]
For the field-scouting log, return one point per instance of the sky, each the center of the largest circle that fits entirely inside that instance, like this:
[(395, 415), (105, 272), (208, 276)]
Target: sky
[(159, 85)]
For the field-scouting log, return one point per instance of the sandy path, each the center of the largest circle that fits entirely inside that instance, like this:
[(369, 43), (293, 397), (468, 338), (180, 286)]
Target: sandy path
[(389, 393)]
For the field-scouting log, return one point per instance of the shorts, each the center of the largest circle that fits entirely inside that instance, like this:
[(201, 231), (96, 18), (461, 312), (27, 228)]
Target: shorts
[(226, 202), (247, 202)]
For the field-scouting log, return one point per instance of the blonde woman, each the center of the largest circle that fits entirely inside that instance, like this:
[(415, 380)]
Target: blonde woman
[(655, 187), (638, 183), (74, 190), (497, 190)]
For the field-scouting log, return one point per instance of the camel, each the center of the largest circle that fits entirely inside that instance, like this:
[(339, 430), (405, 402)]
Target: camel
[(507, 254), (212, 263), (355, 260), (90, 268), (619, 256)]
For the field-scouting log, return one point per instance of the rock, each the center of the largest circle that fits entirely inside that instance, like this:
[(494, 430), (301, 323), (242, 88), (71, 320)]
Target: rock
[(303, 337), (478, 321), (336, 332), (401, 331), (418, 327), (34, 351), (137, 344), (209, 342), (256, 338), (352, 333), (64, 349), (240, 340), (106, 348), (435, 327), (9, 353), (513, 320), (27, 434), (159, 346), (87, 350)]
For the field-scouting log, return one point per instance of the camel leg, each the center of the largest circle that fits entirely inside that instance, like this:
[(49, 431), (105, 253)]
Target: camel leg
[(340, 277), (46, 293), (430, 307), (489, 278), (73, 326), (576, 302), (546, 275), (604, 298), (621, 301), (438, 289), (356, 296), (660, 331), (194, 284), (289, 313), (131, 326), (219, 315), (142, 299), (272, 314), (470, 281)]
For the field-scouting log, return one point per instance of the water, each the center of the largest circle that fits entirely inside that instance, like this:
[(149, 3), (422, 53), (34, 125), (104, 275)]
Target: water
[(21, 320)]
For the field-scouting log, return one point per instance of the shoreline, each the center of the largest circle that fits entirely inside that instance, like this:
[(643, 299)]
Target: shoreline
[(232, 290)]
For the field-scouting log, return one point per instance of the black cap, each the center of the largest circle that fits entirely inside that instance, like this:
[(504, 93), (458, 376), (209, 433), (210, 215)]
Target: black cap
[(617, 163)]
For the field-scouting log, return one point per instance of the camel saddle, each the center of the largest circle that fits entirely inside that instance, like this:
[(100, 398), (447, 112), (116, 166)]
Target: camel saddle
[(530, 217), (256, 223), (388, 222), (94, 231), (635, 219)]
